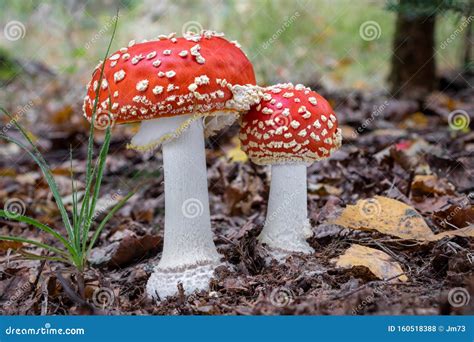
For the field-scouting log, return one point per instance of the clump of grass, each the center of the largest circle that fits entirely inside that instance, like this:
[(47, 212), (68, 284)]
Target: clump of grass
[(78, 242)]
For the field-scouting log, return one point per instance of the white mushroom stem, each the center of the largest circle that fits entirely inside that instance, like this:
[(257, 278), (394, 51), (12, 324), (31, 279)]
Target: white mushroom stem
[(287, 226), (189, 254)]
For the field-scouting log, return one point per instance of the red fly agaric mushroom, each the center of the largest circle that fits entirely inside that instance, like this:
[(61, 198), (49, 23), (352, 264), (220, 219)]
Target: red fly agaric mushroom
[(291, 128), (170, 85)]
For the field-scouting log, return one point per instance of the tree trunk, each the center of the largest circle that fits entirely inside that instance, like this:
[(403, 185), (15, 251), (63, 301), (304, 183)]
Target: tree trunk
[(413, 73)]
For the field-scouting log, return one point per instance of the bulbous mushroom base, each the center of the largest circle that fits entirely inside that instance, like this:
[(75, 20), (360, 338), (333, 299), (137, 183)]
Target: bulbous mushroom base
[(164, 282), (282, 243)]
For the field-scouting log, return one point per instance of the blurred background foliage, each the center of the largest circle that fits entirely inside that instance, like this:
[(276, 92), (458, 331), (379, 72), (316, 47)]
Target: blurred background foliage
[(317, 41)]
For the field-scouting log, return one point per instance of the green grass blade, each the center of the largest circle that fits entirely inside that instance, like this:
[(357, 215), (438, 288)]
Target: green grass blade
[(90, 172), (45, 257), (98, 181), (84, 218), (35, 243), (77, 241), (49, 179), (90, 145), (43, 165), (39, 225), (100, 167), (75, 219), (74, 192), (111, 213)]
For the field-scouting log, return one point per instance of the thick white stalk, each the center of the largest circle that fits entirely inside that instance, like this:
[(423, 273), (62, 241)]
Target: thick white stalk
[(189, 254), (188, 235), (287, 226)]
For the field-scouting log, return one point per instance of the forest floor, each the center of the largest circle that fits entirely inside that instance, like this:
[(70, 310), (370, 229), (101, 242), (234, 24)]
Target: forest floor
[(396, 149)]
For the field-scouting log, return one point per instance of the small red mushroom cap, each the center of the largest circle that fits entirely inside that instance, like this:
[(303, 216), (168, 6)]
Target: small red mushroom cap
[(169, 76), (291, 124)]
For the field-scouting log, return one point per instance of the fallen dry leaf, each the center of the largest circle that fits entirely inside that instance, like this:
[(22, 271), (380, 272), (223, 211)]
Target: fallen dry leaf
[(431, 185), (392, 217), (431, 205), (4, 245), (62, 116), (121, 253), (7, 172), (379, 263), (458, 214), (462, 232), (387, 216), (236, 154), (456, 171), (242, 192)]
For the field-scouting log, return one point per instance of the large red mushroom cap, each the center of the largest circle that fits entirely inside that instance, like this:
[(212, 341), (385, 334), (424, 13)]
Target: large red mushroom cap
[(200, 74), (290, 124)]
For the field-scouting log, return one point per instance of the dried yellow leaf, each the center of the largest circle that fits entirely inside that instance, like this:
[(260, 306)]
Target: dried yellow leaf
[(462, 232), (379, 263), (392, 217), (236, 154), (387, 216)]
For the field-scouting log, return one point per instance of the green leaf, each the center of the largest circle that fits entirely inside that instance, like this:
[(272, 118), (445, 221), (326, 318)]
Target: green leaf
[(39, 225), (77, 239), (75, 226), (90, 173), (98, 181), (44, 257), (38, 158), (35, 243), (90, 146), (111, 213)]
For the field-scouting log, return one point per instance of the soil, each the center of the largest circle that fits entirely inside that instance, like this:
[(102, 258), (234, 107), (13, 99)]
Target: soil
[(387, 142)]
